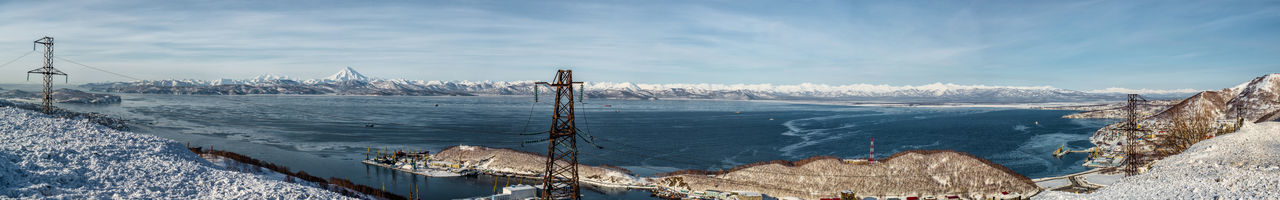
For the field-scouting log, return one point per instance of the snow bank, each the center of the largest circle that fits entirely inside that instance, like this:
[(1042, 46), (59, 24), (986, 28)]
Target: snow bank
[(43, 157), (1241, 165)]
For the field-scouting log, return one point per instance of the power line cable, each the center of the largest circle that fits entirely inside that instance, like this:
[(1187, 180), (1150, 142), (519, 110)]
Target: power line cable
[(16, 59), (95, 68)]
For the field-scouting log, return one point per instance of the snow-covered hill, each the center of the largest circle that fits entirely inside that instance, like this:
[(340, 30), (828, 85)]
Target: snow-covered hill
[(53, 158), (349, 82), (1258, 100), (1255, 100), (1240, 165)]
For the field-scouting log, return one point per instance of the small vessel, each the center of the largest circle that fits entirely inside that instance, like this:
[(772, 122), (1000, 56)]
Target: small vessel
[(1061, 151)]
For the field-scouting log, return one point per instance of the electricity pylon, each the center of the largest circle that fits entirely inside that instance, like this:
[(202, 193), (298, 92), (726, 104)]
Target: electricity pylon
[(560, 180), (46, 101), (1135, 159)]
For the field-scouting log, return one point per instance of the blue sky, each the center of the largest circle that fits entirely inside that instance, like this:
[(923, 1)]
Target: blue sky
[(1081, 45)]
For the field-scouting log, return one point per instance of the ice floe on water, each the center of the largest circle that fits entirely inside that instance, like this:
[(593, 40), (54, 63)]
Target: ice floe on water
[(1021, 128), (917, 146), (817, 130)]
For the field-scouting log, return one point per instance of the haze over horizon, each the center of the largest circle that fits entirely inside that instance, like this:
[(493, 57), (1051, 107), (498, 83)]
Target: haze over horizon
[(1086, 46)]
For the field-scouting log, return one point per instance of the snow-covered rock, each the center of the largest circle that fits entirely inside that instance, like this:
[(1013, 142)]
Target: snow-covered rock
[(53, 158), (1240, 165)]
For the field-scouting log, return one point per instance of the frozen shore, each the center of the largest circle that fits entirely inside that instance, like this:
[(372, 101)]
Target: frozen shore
[(43, 157)]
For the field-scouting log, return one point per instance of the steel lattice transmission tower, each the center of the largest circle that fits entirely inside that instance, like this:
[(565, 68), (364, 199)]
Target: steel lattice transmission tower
[(46, 103), (1131, 127), (560, 180)]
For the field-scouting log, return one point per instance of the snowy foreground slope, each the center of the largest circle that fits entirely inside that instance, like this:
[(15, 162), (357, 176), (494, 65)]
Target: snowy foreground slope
[(1241, 165), (43, 157)]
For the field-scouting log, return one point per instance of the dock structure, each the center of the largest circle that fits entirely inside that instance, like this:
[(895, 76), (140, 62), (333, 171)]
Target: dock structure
[(419, 163), (1063, 151)]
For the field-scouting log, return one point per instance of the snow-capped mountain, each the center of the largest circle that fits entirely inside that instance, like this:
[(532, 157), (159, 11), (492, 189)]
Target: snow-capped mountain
[(346, 74), (350, 82)]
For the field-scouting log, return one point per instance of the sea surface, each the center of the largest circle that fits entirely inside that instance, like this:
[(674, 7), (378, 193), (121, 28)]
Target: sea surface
[(327, 136)]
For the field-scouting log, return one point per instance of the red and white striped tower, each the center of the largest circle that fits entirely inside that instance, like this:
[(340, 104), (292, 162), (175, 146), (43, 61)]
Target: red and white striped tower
[(873, 150)]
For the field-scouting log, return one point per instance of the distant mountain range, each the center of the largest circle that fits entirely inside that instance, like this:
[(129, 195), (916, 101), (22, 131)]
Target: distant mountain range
[(349, 82)]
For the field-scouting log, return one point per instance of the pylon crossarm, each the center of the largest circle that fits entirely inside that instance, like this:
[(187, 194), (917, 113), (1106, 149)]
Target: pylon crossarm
[(47, 70), (556, 84)]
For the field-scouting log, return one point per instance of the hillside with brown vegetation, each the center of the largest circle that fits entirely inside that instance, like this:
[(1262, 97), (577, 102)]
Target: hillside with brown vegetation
[(909, 173)]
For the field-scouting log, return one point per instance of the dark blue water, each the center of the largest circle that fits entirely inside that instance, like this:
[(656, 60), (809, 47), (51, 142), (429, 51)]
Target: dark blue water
[(326, 135)]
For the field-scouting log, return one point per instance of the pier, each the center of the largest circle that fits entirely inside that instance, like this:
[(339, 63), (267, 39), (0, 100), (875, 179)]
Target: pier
[(425, 171), (1063, 151), (1078, 182)]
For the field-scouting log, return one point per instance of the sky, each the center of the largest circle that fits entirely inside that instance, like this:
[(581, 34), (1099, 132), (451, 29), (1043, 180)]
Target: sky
[(1079, 45)]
